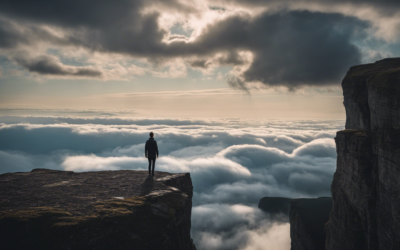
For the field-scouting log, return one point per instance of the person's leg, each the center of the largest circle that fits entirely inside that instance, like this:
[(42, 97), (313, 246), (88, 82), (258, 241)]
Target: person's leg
[(149, 165), (154, 165)]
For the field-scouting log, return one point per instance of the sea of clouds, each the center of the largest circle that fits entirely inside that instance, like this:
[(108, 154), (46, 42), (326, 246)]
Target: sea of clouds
[(233, 164)]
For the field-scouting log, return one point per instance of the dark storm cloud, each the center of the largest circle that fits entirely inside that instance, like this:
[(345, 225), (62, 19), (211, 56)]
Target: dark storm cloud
[(383, 4), (12, 35), (117, 26), (199, 64), (290, 48), (47, 65), (309, 48), (9, 36), (89, 13)]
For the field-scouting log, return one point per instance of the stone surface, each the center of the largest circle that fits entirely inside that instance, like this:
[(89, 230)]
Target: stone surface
[(366, 185), (371, 95), (275, 205), (47, 209), (307, 220), (354, 193)]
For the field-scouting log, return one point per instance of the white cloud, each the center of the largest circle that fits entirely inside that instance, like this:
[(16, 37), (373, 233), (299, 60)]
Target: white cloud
[(95, 163), (219, 226), (233, 163), (275, 238), (324, 147)]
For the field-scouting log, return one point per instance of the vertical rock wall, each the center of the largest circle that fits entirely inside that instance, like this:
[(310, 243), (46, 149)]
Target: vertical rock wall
[(307, 220), (366, 185)]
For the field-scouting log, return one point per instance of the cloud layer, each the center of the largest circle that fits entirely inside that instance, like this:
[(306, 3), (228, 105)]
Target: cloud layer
[(233, 163)]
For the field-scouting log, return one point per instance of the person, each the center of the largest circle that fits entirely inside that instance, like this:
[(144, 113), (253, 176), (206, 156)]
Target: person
[(151, 152)]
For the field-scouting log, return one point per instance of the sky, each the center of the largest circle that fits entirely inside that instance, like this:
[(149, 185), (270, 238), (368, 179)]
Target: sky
[(244, 95), (224, 58)]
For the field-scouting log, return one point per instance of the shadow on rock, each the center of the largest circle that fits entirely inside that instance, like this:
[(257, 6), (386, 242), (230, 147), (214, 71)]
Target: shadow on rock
[(147, 186)]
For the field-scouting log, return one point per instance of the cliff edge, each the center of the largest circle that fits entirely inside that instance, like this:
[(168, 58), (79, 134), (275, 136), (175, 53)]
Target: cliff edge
[(48, 209), (366, 185)]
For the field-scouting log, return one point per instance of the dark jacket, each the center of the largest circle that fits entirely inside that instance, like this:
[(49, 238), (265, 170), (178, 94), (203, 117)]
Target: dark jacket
[(151, 149)]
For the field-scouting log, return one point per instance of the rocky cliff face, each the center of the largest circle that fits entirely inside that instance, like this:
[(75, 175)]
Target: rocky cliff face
[(307, 220), (275, 205), (47, 209), (366, 185)]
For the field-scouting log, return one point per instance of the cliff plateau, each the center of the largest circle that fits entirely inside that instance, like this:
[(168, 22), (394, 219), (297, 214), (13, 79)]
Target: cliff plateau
[(48, 209)]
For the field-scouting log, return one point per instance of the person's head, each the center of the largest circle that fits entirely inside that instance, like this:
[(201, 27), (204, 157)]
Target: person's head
[(151, 134)]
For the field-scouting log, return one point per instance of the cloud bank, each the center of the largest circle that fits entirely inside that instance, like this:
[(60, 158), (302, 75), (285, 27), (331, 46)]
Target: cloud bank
[(233, 163)]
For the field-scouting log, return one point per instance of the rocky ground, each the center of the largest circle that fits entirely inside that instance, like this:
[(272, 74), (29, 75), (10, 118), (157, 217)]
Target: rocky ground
[(48, 209)]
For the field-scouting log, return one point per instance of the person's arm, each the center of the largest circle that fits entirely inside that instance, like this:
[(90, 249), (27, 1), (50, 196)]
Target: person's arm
[(146, 149), (156, 149)]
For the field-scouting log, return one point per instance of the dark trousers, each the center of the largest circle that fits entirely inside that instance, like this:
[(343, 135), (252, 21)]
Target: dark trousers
[(151, 170)]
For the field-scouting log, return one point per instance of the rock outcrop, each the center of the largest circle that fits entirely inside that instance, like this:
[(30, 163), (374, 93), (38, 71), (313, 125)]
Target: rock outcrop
[(307, 220), (275, 205), (48, 209), (366, 185)]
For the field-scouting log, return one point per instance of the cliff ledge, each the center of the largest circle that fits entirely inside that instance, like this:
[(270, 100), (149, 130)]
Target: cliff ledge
[(48, 209)]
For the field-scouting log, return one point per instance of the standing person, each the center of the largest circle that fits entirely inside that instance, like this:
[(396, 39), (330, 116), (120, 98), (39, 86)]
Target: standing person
[(151, 152)]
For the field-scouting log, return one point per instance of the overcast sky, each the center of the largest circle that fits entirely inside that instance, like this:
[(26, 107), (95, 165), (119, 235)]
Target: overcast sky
[(259, 57)]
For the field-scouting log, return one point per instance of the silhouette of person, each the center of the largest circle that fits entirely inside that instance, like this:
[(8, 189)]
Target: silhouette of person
[(151, 152)]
